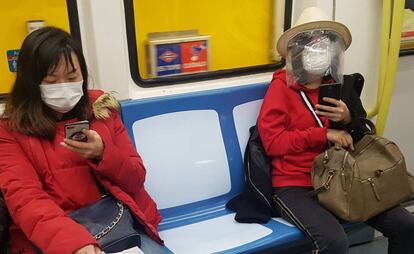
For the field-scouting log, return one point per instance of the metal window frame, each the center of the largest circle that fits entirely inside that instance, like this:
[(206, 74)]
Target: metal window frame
[(73, 15), (153, 82)]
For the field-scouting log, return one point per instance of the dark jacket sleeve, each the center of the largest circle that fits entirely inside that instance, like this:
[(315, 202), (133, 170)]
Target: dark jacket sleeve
[(4, 224), (349, 95)]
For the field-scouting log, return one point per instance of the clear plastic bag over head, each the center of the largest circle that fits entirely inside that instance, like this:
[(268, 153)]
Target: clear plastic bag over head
[(315, 55)]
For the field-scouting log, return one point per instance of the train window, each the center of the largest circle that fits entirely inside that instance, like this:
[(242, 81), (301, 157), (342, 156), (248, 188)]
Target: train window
[(17, 19), (179, 41)]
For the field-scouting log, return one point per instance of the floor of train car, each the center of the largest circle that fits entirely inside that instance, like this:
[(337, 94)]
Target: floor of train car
[(378, 246)]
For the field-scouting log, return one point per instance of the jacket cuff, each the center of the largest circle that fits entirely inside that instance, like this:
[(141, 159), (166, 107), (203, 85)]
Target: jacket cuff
[(70, 241), (355, 123), (110, 159), (318, 137), (79, 245)]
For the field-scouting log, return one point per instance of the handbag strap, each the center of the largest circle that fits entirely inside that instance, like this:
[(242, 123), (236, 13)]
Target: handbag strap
[(309, 105), (105, 193), (108, 228), (372, 129)]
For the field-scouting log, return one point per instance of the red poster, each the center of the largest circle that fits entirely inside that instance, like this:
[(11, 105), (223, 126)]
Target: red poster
[(194, 56)]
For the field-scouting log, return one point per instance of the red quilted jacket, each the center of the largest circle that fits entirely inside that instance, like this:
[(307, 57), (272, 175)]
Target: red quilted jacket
[(42, 182)]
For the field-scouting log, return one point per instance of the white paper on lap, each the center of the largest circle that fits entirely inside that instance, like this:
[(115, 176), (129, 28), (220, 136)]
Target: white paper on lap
[(134, 250)]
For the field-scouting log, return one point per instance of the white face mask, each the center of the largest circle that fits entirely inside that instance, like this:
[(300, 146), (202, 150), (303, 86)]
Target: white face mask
[(62, 97), (316, 57)]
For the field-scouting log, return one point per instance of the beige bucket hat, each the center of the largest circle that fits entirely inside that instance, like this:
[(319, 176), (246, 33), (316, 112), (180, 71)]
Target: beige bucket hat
[(312, 18)]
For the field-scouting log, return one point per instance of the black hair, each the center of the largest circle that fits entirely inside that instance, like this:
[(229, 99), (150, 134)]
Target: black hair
[(39, 55)]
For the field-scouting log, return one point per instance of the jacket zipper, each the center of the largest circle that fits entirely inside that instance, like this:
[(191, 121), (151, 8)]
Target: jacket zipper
[(254, 186)]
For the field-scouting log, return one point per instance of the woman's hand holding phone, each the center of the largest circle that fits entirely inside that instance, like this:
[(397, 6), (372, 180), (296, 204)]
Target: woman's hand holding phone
[(338, 113), (91, 149)]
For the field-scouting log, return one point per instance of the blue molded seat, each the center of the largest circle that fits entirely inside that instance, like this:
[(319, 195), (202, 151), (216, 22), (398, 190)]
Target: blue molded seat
[(192, 147)]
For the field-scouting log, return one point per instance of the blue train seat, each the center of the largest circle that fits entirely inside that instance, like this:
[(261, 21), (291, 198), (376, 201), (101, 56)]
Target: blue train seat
[(192, 145)]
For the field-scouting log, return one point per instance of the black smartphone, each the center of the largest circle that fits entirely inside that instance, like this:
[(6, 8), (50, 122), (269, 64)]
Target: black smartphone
[(332, 90), (74, 130)]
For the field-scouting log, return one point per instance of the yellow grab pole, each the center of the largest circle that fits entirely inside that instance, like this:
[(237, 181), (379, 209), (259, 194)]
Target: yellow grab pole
[(393, 57), (384, 51)]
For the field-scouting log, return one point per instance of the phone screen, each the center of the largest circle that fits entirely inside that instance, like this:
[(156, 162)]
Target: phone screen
[(329, 90), (74, 130)]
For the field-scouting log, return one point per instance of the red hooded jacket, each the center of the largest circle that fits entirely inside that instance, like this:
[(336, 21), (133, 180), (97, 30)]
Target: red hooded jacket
[(42, 182), (289, 132)]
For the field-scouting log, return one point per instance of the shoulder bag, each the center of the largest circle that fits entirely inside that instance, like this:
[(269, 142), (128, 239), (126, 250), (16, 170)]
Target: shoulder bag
[(110, 222), (357, 185)]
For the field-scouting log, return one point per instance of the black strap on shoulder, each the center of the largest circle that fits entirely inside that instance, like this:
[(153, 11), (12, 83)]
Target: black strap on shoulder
[(309, 105)]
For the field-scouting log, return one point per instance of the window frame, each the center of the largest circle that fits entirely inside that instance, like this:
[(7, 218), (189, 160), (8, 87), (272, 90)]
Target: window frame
[(406, 52), (73, 15), (187, 78)]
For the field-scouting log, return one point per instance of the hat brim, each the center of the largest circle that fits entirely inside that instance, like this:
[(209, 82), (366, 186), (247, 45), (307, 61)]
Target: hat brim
[(341, 29)]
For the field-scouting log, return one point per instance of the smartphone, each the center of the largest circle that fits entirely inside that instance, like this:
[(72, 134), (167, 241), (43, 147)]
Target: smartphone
[(74, 130), (332, 90)]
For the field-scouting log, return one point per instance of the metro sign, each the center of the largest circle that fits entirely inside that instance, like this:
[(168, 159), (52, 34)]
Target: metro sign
[(168, 56)]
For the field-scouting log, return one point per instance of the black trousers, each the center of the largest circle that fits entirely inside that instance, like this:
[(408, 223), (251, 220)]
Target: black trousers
[(325, 230)]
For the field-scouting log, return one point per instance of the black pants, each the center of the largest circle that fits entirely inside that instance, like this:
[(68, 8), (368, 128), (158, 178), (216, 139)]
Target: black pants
[(326, 231)]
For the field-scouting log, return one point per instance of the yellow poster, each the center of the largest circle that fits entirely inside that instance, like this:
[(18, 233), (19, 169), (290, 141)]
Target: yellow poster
[(14, 18)]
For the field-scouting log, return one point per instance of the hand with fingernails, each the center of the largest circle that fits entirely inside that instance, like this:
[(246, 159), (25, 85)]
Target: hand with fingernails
[(91, 149), (89, 249), (338, 113)]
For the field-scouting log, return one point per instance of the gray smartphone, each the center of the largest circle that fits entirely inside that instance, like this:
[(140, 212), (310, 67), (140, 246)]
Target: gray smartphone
[(329, 90), (74, 130)]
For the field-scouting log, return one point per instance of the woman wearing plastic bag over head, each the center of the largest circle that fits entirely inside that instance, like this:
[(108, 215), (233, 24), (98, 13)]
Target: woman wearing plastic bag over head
[(295, 128)]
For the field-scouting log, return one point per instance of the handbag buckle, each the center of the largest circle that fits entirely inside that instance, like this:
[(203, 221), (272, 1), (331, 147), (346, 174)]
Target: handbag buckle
[(331, 174), (325, 157)]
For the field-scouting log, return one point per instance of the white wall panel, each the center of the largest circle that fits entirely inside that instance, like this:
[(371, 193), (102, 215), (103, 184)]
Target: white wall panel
[(400, 124), (363, 18), (104, 43)]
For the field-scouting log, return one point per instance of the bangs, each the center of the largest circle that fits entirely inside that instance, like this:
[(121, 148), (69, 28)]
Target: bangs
[(67, 56), (49, 57)]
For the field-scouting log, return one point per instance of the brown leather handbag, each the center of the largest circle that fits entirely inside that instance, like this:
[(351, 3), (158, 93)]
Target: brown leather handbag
[(357, 185)]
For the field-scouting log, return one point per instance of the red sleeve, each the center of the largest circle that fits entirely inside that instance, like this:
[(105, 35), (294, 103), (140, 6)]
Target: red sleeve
[(277, 139), (120, 162), (43, 222)]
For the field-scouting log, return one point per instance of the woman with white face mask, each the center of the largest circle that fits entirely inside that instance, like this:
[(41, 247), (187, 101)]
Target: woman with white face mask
[(45, 176), (294, 129)]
